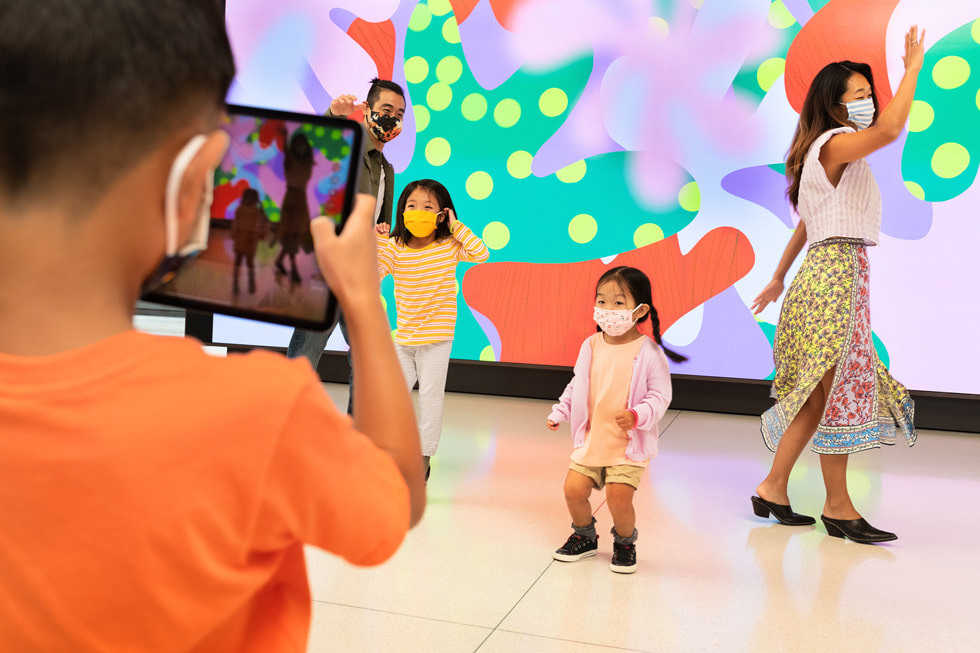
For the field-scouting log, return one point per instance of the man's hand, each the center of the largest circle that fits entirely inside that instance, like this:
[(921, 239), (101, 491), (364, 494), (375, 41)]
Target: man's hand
[(344, 105)]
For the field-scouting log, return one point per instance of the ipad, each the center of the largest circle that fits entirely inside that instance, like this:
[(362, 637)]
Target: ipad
[(282, 169)]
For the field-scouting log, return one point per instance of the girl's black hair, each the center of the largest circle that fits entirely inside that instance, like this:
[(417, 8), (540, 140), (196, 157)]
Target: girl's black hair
[(638, 286), (398, 230)]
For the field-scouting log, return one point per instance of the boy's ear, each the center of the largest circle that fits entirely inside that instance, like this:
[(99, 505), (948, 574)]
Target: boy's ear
[(201, 166)]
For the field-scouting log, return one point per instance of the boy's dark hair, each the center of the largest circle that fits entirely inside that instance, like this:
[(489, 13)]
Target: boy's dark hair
[(88, 87), (638, 286), (378, 85), (398, 230)]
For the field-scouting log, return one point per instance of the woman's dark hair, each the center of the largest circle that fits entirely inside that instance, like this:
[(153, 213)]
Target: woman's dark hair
[(638, 286), (398, 230), (820, 113), (299, 139)]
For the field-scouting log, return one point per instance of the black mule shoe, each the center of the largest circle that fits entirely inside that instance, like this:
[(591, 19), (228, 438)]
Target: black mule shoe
[(784, 514), (857, 530)]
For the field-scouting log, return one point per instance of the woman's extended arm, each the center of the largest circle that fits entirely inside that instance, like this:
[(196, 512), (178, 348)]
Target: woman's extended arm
[(775, 287)]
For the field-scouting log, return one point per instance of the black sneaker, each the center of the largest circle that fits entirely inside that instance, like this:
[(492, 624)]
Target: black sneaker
[(624, 558), (576, 548)]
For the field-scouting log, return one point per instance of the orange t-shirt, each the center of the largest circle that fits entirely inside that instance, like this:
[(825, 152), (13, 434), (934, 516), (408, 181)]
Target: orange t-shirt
[(154, 498)]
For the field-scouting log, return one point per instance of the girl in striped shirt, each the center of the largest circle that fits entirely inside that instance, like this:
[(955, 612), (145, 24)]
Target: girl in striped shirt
[(421, 253)]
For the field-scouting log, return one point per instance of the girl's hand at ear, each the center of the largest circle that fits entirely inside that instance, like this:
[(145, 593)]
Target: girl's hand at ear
[(383, 228), (447, 214), (552, 425)]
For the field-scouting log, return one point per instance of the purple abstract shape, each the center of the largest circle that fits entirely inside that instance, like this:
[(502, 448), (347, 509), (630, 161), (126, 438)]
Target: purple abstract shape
[(581, 135), (399, 151), (801, 10), (730, 343), (902, 214), (489, 330), (342, 18), (313, 90), (485, 45), (763, 186)]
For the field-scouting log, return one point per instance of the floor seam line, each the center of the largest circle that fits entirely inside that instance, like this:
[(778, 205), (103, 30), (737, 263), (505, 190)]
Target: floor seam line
[(400, 614), (514, 607)]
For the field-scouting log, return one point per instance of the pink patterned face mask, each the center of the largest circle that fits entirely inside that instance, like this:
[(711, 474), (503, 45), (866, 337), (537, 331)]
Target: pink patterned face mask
[(614, 323)]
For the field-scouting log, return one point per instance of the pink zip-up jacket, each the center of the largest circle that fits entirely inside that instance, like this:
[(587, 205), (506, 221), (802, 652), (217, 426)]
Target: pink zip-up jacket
[(649, 397)]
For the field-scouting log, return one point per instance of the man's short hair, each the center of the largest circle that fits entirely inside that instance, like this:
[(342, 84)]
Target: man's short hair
[(378, 85), (88, 87)]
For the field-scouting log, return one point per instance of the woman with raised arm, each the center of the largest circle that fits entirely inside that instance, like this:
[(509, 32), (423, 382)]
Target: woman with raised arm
[(830, 384)]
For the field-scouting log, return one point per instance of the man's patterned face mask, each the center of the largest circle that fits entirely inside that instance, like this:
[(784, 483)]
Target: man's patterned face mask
[(384, 127)]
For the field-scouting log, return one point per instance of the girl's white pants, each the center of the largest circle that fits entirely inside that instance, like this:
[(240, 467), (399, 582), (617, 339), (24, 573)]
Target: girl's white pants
[(427, 364)]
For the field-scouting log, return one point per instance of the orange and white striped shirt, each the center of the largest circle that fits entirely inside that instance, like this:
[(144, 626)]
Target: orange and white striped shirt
[(425, 282)]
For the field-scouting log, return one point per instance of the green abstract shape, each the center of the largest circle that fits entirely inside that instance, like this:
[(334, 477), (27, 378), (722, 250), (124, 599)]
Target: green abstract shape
[(942, 152), (758, 74), (496, 132)]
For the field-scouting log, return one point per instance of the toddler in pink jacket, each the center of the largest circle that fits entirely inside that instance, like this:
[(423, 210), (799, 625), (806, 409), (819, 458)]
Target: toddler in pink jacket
[(619, 392)]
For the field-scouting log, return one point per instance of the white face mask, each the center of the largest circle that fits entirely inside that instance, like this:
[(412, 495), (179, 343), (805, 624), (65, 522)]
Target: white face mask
[(174, 257), (614, 323), (860, 112)]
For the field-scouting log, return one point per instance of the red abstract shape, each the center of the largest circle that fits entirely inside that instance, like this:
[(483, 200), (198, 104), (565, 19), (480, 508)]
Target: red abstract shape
[(543, 312), (224, 195), (378, 40), (851, 30), (334, 204), (502, 9), (273, 131)]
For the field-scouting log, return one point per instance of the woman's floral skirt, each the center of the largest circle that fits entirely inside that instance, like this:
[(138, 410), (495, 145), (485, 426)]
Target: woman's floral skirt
[(826, 321)]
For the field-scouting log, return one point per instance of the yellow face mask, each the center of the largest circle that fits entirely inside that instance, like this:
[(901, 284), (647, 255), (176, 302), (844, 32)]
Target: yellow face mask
[(420, 223)]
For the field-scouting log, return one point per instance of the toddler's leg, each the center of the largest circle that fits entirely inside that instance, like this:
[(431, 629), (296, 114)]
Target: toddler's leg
[(619, 497), (578, 487), (432, 364)]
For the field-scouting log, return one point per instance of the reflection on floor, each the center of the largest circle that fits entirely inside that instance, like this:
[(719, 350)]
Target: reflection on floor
[(477, 573)]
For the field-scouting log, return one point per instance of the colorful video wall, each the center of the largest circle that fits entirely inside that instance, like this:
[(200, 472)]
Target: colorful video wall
[(578, 134)]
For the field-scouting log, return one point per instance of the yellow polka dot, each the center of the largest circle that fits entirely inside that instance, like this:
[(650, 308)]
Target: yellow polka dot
[(394, 333), (582, 228), (769, 71), (916, 190), (416, 70), (921, 116), (975, 30), (439, 96), (422, 117), (553, 102), (384, 303), (507, 112), (689, 197), (647, 234), (519, 164), (496, 235), (951, 72), (978, 99), (450, 31), (479, 185), (487, 354), (440, 7), (572, 173), (779, 16), (421, 17), (437, 151), (950, 160), (658, 28), (449, 70), (474, 106)]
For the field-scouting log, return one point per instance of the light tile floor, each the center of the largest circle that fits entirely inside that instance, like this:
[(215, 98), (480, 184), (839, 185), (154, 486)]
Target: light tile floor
[(477, 573)]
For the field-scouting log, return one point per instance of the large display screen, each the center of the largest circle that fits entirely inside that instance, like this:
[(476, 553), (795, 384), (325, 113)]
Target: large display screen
[(575, 134)]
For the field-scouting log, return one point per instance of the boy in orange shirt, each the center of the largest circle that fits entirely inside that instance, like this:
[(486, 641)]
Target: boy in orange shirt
[(153, 497)]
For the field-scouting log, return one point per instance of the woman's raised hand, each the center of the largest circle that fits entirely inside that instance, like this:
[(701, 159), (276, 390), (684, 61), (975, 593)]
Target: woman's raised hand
[(769, 294), (914, 48)]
